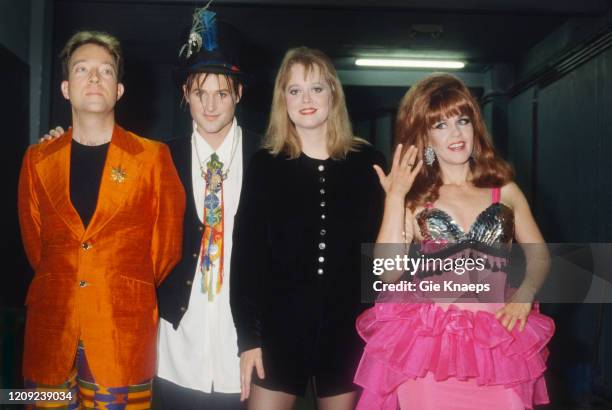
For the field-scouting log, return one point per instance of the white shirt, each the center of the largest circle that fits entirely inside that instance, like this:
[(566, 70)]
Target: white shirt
[(202, 352)]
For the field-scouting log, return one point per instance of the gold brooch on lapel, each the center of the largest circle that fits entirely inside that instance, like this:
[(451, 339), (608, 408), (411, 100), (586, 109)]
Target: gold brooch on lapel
[(118, 175)]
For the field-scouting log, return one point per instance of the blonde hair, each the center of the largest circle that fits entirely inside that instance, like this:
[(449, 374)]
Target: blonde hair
[(105, 40), (281, 135)]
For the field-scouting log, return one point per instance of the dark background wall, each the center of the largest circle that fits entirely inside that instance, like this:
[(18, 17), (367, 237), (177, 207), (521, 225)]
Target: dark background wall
[(565, 127), (558, 133), (14, 109)]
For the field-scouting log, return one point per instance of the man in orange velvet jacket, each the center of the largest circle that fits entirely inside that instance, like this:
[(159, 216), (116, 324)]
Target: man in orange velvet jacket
[(94, 283)]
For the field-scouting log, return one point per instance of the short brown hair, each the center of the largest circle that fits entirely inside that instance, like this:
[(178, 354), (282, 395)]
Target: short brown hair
[(200, 77), (105, 40)]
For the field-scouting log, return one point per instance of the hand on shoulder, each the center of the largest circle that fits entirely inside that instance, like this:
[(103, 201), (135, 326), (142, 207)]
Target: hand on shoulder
[(52, 134)]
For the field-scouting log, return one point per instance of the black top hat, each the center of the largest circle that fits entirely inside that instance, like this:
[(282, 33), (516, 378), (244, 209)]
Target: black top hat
[(203, 53)]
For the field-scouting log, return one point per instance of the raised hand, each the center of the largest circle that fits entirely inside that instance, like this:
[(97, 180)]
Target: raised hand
[(403, 172), (52, 134)]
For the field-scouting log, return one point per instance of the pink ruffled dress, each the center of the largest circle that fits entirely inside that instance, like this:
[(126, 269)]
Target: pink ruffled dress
[(422, 354)]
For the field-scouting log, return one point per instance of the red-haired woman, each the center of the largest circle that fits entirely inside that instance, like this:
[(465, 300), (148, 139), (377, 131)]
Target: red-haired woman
[(451, 196)]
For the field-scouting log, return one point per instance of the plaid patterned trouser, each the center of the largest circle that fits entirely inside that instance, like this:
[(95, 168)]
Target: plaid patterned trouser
[(87, 394)]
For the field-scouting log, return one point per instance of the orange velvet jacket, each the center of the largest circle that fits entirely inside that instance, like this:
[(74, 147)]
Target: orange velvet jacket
[(98, 284)]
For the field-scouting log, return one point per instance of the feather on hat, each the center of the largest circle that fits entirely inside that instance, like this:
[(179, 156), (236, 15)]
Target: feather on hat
[(202, 53)]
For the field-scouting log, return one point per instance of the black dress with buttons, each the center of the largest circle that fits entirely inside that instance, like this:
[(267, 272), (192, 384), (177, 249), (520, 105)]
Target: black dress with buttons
[(295, 283)]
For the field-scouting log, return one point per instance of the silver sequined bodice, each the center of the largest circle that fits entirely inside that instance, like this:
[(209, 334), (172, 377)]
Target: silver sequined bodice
[(493, 226)]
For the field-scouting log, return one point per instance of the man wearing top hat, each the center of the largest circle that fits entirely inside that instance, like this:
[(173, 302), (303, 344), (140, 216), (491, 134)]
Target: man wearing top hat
[(198, 364)]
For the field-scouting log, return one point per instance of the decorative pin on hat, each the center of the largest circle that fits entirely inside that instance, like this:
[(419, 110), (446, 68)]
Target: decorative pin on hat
[(203, 52), (203, 32)]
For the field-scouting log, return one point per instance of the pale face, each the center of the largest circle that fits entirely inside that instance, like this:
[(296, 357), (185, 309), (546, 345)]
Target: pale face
[(212, 104), (92, 84), (452, 139), (308, 99)]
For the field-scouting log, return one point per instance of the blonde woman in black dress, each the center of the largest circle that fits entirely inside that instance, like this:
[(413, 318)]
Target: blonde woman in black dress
[(310, 198)]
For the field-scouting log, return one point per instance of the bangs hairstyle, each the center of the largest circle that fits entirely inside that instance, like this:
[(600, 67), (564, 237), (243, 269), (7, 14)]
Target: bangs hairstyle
[(197, 79), (104, 40), (432, 99), (281, 135)]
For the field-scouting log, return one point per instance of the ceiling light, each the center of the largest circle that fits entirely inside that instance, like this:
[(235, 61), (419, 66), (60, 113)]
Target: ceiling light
[(408, 63)]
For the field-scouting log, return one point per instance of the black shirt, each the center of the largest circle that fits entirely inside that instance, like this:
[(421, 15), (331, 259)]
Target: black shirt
[(86, 166), (296, 250)]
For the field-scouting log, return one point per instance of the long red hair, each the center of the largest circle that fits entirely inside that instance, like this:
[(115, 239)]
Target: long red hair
[(434, 98)]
